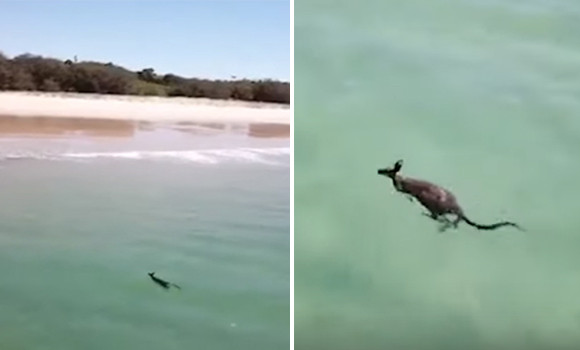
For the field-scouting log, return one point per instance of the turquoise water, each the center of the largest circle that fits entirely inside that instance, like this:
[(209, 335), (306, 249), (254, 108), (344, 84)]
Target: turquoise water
[(79, 231), (481, 97)]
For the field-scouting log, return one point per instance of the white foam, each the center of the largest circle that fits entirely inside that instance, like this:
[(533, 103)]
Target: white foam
[(271, 156)]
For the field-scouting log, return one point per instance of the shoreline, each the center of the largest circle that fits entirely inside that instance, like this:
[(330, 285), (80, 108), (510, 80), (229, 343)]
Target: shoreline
[(32, 126), (143, 98), (139, 108), (42, 138)]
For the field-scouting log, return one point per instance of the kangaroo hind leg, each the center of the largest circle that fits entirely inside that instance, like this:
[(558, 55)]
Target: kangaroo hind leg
[(445, 224), (432, 215), (444, 221), (456, 221)]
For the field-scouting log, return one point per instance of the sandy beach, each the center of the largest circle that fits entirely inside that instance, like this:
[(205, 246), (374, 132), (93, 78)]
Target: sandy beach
[(59, 114), (153, 109), (60, 126)]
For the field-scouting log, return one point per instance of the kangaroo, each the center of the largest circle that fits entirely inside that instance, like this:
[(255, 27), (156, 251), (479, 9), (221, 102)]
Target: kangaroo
[(438, 201), (161, 282)]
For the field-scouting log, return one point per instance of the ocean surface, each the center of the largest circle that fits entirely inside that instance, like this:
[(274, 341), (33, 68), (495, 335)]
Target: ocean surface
[(84, 219), (481, 97)]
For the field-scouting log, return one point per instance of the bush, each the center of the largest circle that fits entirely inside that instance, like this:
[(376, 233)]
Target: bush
[(50, 85), (30, 72), (21, 80)]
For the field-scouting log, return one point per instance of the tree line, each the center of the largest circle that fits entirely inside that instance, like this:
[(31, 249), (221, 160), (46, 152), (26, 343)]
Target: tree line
[(29, 72)]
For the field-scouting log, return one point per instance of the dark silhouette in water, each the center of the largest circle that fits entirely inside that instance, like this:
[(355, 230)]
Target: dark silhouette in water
[(438, 201), (161, 282)]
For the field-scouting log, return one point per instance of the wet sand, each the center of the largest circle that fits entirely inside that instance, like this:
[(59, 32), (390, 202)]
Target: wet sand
[(83, 132), (17, 126), (28, 138)]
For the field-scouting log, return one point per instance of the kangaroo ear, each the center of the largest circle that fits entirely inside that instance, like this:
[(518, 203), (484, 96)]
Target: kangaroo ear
[(398, 165)]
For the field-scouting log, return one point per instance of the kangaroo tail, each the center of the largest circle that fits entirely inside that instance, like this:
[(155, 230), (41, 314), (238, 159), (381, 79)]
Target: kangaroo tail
[(492, 226), (175, 285)]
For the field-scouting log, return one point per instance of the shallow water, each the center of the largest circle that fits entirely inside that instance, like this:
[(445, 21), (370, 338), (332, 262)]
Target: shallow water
[(79, 232), (478, 96)]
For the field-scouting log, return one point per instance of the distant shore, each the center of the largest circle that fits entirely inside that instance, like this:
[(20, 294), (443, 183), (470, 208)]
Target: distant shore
[(137, 108)]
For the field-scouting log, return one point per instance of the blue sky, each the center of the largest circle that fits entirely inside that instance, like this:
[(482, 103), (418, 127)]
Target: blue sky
[(193, 38)]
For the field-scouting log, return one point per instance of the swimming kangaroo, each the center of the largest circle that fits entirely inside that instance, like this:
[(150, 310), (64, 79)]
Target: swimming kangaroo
[(437, 200), (161, 282)]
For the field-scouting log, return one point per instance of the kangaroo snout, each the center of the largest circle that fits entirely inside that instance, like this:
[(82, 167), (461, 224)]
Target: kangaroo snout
[(391, 172), (386, 172)]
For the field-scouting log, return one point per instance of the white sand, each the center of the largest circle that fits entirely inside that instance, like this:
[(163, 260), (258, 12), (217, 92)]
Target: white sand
[(156, 109)]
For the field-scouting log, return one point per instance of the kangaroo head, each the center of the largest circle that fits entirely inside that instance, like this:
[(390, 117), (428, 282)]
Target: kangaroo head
[(391, 172)]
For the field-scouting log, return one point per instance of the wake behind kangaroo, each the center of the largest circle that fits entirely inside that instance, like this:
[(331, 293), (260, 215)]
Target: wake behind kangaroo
[(438, 201), (161, 282)]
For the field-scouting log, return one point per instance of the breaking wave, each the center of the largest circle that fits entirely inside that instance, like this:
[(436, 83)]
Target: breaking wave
[(271, 156)]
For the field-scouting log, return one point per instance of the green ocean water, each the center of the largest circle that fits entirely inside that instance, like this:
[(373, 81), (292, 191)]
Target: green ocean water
[(481, 97), (79, 231)]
